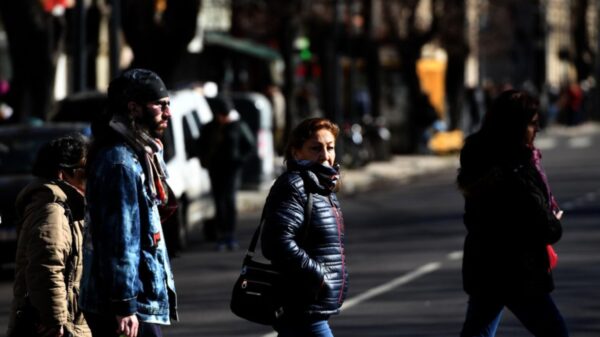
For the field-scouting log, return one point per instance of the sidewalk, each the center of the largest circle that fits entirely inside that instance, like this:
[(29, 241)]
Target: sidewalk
[(399, 169)]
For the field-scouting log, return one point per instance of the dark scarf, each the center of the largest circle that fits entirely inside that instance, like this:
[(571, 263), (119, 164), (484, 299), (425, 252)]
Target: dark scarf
[(319, 178), (149, 150)]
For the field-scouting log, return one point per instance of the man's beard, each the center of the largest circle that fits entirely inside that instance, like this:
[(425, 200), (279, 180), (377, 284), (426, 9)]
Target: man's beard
[(147, 124)]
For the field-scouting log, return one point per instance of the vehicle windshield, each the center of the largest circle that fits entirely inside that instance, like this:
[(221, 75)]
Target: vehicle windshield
[(18, 151)]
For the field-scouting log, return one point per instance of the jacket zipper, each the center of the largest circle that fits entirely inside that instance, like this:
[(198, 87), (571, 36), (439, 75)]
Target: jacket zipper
[(340, 228)]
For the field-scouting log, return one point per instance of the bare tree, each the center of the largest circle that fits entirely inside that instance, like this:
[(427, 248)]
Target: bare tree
[(583, 55), (35, 37), (409, 38), (453, 40), (159, 36)]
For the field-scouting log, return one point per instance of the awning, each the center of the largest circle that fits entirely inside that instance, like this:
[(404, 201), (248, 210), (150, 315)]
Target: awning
[(242, 46)]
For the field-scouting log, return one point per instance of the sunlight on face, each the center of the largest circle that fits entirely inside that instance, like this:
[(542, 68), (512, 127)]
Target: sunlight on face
[(157, 116), (319, 148), (532, 129)]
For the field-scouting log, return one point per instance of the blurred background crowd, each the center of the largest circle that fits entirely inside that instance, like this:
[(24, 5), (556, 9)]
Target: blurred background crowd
[(399, 76)]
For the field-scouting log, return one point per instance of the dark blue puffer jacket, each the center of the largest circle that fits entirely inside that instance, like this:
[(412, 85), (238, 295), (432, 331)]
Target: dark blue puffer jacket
[(310, 258)]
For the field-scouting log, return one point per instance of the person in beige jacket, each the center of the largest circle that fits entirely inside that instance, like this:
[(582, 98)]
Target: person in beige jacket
[(49, 248)]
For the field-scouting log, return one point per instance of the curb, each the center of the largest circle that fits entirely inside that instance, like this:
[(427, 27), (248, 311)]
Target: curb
[(397, 170), (400, 169)]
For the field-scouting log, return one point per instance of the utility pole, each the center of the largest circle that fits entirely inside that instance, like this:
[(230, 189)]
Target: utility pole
[(336, 71), (596, 89), (113, 37), (79, 48)]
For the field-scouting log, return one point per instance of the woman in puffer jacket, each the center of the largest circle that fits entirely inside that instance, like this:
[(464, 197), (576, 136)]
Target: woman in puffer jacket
[(311, 256), (511, 219), (49, 260)]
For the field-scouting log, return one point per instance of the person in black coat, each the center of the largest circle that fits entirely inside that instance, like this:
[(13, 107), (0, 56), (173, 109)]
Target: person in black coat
[(310, 256), (225, 144), (511, 219)]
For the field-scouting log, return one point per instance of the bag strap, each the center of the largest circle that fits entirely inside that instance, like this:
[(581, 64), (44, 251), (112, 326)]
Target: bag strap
[(307, 218)]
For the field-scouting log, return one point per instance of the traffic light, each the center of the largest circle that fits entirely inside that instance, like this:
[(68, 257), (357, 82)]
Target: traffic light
[(302, 44)]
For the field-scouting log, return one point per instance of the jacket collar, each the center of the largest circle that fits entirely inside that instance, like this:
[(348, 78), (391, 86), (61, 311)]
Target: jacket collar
[(318, 178)]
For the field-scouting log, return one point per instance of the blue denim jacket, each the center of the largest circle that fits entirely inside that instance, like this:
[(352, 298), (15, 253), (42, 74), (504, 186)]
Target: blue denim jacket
[(126, 267)]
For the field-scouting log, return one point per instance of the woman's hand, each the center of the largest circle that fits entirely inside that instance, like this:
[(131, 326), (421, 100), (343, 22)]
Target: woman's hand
[(559, 214)]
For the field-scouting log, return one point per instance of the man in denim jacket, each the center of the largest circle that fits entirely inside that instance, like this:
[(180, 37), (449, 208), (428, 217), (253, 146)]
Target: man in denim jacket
[(127, 286)]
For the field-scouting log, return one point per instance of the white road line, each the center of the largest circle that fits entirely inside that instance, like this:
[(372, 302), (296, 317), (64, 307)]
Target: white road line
[(545, 143), (404, 279), (455, 255), (567, 206), (384, 288), (580, 142), (580, 201)]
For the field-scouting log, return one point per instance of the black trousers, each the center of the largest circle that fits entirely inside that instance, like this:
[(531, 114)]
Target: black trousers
[(224, 185)]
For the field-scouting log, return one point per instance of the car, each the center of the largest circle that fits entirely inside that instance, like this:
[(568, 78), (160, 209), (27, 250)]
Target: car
[(19, 144), (187, 178)]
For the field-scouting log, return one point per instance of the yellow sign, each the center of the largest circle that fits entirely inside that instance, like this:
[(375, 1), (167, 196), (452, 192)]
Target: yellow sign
[(431, 74)]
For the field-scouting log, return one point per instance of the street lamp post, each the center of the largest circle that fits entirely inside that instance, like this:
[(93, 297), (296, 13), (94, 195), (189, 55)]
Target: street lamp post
[(596, 89), (79, 50), (114, 40)]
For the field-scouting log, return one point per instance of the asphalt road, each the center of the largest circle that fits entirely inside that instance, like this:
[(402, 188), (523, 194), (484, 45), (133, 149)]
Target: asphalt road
[(404, 253)]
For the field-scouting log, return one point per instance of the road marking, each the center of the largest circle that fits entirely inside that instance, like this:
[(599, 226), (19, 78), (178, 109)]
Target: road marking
[(580, 201), (455, 255), (591, 196), (433, 266), (545, 143), (404, 279), (384, 288), (580, 142)]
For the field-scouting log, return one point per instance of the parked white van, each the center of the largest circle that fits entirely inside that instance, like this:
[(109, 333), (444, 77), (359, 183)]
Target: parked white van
[(187, 178)]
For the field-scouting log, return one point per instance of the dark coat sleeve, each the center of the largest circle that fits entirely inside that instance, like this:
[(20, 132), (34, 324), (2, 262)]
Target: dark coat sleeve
[(284, 229)]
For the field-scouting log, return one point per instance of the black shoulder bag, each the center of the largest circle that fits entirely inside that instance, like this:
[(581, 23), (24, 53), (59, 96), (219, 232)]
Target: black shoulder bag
[(254, 296)]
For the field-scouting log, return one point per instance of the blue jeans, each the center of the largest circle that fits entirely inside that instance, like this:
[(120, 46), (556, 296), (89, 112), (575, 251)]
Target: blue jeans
[(538, 313), (303, 328)]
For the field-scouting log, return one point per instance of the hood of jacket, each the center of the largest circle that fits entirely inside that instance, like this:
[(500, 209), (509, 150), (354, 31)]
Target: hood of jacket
[(43, 191)]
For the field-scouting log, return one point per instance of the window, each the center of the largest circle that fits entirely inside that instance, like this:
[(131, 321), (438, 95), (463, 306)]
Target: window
[(191, 133)]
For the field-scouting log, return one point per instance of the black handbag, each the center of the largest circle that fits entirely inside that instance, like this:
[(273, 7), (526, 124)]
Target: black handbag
[(255, 292)]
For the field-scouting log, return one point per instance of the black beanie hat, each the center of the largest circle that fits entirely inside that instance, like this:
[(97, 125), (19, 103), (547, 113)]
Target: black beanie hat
[(138, 85)]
